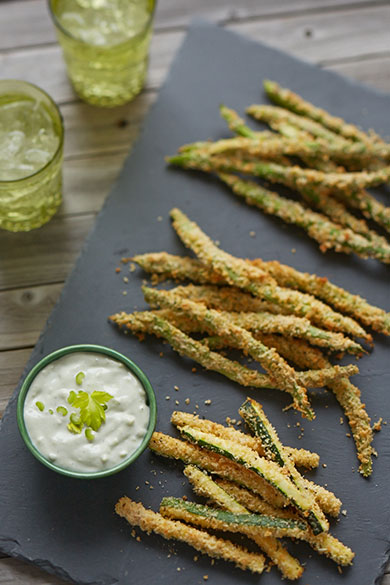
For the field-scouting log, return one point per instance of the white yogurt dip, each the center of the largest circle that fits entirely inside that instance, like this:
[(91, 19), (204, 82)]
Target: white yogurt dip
[(126, 414)]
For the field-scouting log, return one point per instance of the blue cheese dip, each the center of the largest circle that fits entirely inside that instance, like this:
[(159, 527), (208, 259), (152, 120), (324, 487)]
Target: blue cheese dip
[(48, 412)]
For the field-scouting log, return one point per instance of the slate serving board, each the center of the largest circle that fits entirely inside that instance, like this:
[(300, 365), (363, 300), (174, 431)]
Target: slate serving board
[(68, 526)]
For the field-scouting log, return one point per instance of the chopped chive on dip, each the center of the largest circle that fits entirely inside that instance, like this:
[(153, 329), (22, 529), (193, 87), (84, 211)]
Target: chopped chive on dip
[(51, 411), (79, 378), (40, 405)]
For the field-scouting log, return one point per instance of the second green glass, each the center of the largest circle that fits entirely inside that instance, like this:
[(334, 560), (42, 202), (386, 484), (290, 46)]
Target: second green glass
[(105, 45)]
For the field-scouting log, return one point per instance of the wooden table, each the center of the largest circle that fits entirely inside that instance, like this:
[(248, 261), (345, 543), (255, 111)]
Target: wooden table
[(347, 36)]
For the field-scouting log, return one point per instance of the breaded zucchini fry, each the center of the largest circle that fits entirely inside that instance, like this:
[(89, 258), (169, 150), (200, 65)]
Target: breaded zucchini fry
[(204, 486), (172, 448), (268, 470), (219, 548), (323, 543), (299, 456), (248, 524)]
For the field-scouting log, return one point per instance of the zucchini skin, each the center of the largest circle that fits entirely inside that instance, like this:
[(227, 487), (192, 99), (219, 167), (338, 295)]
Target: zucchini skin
[(253, 414), (286, 526), (268, 470)]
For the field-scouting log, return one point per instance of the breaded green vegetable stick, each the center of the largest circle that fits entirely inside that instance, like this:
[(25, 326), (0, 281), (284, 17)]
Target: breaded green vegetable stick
[(276, 367), (214, 519), (293, 302), (226, 298), (268, 470), (203, 485), (149, 322), (292, 142), (329, 503), (323, 543), (332, 294), (327, 233), (264, 322), (295, 103), (294, 177), (237, 124), (254, 416), (348, 396), (369, 206), (214, 463), (219, 548), (275, 116), (300, 457)]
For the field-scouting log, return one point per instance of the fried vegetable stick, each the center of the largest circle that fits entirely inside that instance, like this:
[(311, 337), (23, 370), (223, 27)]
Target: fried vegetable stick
[(348, 396), (254, 416), (295, 103), (299, 456), (148, 322), (271, 145), (203, 485), (237, 124), (264, 322), (219, 548), (277, 368), (214, 519), (214, 463), (230, 298), (369, 206), (275, 116), (329, 503), (327, 233), (332, 294), (236, 274), (266, 469), (323, 543)]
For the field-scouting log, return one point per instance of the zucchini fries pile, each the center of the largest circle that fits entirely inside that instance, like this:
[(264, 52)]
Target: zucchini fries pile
[(268, 311), (337, 163), (252, 487)]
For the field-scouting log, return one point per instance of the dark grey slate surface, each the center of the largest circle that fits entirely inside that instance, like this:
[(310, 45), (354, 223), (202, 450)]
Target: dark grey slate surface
[(67, 526)]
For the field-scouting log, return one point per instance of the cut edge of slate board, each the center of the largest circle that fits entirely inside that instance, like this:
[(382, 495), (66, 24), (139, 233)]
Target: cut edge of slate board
[(10, 546)]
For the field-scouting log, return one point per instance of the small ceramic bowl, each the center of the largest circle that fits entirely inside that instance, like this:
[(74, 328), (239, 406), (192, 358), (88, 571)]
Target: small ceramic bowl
[(134, 369)]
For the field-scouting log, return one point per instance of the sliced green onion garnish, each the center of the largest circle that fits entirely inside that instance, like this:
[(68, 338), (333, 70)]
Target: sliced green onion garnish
[(40, 405), (62, 410), (51, 411), (79, 378), (72, 396), (89, 434)]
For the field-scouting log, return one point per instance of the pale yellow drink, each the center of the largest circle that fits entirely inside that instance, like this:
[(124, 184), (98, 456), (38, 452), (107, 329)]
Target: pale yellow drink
[(31, 144), (105, 45)]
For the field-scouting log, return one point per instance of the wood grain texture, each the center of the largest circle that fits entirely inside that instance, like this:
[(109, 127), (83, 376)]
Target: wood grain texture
[(29, 23)]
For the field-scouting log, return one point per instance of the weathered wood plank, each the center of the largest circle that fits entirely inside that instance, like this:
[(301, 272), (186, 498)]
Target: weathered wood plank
[(89, 131), (336, 35), (25, 24), (372, 71), (44, 256), (12, 364), (25, 311)]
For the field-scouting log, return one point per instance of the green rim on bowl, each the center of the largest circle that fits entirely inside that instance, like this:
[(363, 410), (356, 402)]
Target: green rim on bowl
[(150, 400)]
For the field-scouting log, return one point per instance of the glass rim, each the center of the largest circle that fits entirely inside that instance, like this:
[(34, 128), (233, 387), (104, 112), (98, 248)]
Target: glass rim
[(60, 26), (61, 120), (92, 348)]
